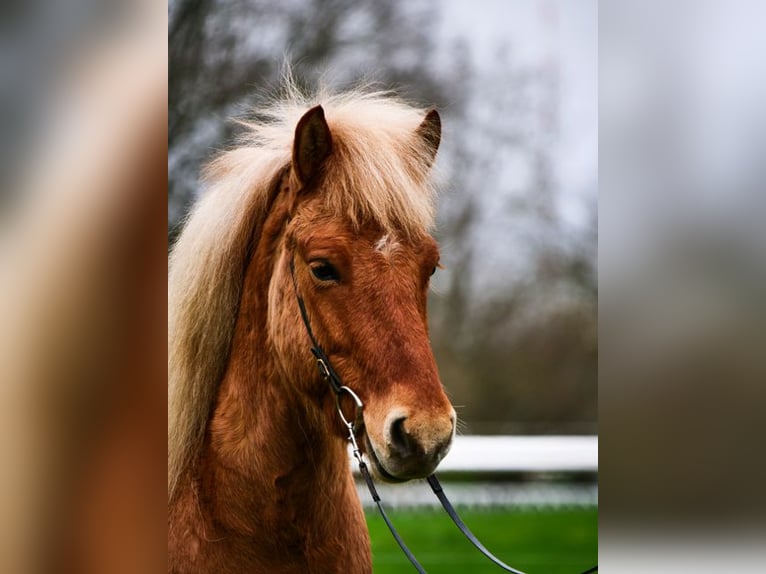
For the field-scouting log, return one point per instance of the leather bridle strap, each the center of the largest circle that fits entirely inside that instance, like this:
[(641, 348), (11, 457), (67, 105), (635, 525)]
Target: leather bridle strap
[(447, 505), (439, 492), (323, 361), (376, 498)]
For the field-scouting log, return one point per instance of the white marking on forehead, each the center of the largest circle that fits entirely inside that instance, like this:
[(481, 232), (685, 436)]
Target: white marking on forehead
[(386, 245)]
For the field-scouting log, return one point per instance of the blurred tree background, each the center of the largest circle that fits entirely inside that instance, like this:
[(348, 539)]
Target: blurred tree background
[(514, 312)]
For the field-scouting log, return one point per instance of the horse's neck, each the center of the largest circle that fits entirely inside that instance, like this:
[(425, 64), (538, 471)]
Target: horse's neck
[(262, 427), (269, 462), (271, 473)]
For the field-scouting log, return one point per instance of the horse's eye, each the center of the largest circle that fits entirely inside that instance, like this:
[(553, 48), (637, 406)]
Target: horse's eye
[(324, 271)]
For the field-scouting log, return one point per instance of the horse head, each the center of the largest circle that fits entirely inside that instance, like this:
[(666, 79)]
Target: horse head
[(364, 279)]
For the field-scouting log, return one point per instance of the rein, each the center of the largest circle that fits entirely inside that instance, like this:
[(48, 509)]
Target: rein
[(329, 375)]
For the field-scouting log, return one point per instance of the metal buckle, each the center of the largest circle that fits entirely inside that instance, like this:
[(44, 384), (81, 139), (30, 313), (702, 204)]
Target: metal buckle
[(357, 403), (350, 424)]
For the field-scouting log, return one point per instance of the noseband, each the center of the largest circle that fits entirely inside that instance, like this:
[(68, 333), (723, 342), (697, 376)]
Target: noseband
[(329, 375)]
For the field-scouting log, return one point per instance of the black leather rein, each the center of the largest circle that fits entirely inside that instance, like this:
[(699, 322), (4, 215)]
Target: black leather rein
[(331, 377)]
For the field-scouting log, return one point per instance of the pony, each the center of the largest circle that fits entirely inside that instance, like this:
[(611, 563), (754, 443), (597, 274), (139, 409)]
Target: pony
[(330, 198)]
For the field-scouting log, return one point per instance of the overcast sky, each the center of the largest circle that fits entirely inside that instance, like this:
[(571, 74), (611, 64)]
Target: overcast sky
[(537, 31)]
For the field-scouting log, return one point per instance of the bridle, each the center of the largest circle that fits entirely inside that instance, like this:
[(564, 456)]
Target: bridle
[(329, 375)]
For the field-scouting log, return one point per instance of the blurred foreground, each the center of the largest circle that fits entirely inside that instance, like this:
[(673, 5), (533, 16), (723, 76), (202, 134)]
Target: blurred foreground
[(82, 300), (682, 286)]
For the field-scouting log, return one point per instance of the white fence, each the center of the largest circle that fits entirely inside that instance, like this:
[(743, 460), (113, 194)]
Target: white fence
[(522, 454), (491, 454), (504, 454)]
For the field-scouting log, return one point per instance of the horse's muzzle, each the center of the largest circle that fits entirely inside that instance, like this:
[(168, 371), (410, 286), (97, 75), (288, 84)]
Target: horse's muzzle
[(413, 445)]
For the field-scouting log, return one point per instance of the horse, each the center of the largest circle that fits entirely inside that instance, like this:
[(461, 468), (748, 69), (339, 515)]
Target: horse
[(330, 199)]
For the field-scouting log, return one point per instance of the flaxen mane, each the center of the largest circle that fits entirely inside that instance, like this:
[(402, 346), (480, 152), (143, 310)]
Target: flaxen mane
[(377, 171)]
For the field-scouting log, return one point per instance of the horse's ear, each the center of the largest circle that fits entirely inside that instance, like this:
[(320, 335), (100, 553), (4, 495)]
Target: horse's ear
[(312, 144), (430, 131)]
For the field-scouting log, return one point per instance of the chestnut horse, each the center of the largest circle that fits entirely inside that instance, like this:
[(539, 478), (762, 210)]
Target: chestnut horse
[(332, 203)]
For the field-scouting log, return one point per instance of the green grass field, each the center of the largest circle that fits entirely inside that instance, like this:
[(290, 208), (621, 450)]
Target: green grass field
[(551, 541)]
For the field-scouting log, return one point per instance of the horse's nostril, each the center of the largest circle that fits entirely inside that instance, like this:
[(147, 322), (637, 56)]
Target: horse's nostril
[(401, 442)]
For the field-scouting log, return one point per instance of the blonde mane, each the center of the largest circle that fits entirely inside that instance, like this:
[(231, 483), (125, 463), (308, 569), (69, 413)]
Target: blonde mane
[(378, 170)]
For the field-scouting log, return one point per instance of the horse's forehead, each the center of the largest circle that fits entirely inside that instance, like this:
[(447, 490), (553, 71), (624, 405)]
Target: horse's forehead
[(424, 247), (387, 244), (328, 229)]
